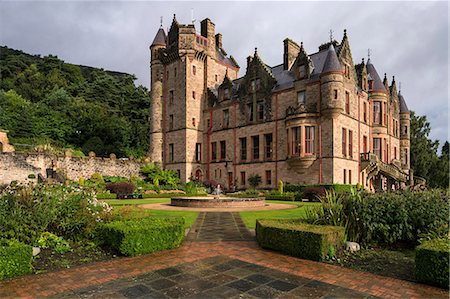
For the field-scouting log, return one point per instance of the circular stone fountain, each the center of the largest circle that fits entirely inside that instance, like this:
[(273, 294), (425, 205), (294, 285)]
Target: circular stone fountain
[(217, 201)]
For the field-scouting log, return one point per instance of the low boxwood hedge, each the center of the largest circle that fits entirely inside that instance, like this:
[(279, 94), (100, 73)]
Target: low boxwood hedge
[(432, 260), (288, 196), (298, 188), (146, 235), (15, 258), (106, 195), (290, 236)]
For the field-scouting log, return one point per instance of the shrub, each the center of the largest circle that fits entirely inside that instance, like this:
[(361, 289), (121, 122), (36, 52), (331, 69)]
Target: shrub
[(288, 196), (32, 176), (330, 212), (15, 258), (114, 179), (158, 176), (97, 178), (143, 236), (254, 180), (121, 189), (298, 239), (432, 260), (49, 240)]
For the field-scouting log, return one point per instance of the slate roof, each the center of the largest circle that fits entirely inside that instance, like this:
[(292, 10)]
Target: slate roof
[(284, 78), (403, 107), (331, 63), (377, 84), (160, 38), (225, 59)]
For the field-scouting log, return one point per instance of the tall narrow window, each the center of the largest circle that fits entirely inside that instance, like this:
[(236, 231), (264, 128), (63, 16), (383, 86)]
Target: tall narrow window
[(301, 97), (345, 176), (395, 152), (350, 143), (268, 146), (377, 113), (171, 97), (194, 70), (194, 122), (198, 152), (406, 156), (365, 112), (213, 151), (250, 112), (385, 156), (223, 150), (170, 122), (243, 142), (364, 144), (268, 177), (193, 95), (377, 147), (243, 178), (296, 141), (175, 72), (255, 151), (171, 154), (260, 111), (226, 118), (405, 130), (344, 142), (347, 102), (335, 94), (349, 176), (216, 78), (309, 140), (385, 114)]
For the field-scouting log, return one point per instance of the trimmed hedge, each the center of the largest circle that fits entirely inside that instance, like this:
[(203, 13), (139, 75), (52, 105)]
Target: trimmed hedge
[(106, 195), (336, 187), (285, 196), (15, 258), (432, 260), (312, 242), (146, 235)]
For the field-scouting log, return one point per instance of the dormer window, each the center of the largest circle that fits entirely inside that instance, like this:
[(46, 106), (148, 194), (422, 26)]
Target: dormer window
[(260, 111), (301, 97), (302, 72), (255, 85), (226, 94)]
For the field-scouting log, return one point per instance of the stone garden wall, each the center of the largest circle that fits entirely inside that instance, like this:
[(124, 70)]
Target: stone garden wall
[(18, 166)]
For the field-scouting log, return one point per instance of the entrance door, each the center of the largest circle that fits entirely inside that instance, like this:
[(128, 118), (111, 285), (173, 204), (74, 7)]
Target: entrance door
[(230, 181)]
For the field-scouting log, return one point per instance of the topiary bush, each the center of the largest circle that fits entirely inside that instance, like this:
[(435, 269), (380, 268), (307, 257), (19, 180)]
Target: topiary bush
[(146, 235), (432, 260), (121, 189), (15, 258), (313, 242)]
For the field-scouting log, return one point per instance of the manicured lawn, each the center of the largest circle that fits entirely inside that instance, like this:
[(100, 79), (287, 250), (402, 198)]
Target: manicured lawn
[(128, 208), (249, 218)]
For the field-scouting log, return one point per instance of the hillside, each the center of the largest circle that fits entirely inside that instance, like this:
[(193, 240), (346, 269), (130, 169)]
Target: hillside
[(44, 100)]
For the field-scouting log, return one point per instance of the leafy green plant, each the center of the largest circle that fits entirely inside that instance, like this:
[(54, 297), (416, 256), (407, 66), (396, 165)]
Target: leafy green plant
[(15, 258), (254, 180), (158, 176), (97, 178), (49, 240), (280, 187)]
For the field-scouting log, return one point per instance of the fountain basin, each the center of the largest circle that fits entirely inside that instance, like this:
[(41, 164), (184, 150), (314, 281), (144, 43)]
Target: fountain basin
[(220, 202)]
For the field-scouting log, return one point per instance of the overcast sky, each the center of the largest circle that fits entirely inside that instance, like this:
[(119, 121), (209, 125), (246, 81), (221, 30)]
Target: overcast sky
[(407, 39)]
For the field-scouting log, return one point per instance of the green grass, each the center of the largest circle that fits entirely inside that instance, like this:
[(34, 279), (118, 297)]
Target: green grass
[(249, 218), (125, 202)]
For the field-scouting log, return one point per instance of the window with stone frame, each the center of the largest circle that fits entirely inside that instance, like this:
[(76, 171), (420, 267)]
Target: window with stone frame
[(268, 144), (347, 102), (226, 94), (255, 147), (194, 123), (255, 85), (198, 152), (226, 118), (171, 97), (193, 95), (344, 142), (223, 150), (260, 107), (213, 151), (377, 113), (309, 140), (385, 114), (194, 70), (250, 112), (268, 177), (171, 153), (365, 112), (301, 97), (170, 122), (296, 141), (243, 180), (243, 148), (350, 176), (350, 143), (377, 147), (301, 72), (335, 94)]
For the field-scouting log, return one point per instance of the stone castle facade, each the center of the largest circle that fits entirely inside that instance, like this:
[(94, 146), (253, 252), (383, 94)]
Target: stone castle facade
[(316, 118)]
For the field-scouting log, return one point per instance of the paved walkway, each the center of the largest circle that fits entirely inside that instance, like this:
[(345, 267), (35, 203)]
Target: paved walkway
[(206, 268)]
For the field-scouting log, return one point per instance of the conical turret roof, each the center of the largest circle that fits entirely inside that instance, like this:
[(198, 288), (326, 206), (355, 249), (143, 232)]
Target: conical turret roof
[(377, 84), (403, 107), (160, 38), (332, 63)]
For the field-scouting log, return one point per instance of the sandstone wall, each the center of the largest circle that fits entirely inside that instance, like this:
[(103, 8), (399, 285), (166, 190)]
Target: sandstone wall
[(17, 166)]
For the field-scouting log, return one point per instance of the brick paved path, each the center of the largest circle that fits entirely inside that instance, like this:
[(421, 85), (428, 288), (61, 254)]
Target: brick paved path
[(219, 227), (210, 269)]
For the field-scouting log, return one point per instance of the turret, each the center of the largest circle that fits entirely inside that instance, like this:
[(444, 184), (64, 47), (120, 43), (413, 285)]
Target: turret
[(156, 95), (404, 133), (331, 79)]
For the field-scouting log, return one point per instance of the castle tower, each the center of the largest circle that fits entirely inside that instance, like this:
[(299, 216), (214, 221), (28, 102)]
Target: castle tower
[(404, 133), (156, 96)]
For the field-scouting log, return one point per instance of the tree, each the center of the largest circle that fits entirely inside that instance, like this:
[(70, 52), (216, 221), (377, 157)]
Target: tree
[(424, 159), (254, 180)]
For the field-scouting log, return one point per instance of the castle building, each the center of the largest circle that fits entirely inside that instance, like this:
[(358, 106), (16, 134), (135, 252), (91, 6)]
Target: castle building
[(314, 119)]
